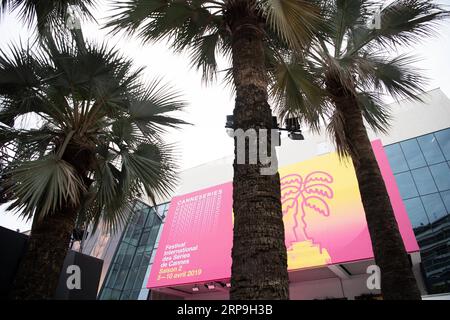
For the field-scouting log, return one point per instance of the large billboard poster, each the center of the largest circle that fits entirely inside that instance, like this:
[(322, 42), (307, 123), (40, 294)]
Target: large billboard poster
[(322, 211), (195, 245)]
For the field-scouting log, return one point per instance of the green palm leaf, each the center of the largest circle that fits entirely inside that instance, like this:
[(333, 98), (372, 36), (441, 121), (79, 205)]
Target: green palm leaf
[(98, 144), (295, 21), (43, 186)]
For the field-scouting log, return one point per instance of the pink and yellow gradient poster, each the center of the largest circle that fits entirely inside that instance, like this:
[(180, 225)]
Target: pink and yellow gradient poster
[(322, 212)]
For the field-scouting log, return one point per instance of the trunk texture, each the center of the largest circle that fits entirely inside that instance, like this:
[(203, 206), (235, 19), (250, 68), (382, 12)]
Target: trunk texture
[(397, 279), (259, 269), (40, 268)]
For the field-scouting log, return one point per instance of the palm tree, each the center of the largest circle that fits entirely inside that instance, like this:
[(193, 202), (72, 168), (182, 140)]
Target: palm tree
[(246, 30), (351, 64), (97, 146)]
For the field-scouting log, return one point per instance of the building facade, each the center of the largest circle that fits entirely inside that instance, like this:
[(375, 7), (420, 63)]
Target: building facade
[(418, 149), (422, 170)]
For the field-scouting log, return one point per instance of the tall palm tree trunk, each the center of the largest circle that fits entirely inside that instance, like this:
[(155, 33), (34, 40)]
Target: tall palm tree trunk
[(259, 268), (40, 268), (397, 278)]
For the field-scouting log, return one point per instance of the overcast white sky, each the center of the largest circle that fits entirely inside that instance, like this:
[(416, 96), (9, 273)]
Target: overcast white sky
[(206, 140)]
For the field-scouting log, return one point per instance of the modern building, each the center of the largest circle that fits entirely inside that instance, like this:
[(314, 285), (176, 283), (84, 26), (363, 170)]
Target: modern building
[(416, 168)]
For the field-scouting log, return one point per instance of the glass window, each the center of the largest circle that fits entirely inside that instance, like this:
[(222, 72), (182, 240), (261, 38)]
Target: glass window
[(115, 295), (150, 219), (441, 175), (125, 295), (396, 158), (140, 249), (131, 262), (443, 138), (446, 198), (144, 238), (416, 213), (128, 233), (134, 295), (128, 256), (146, 258), (113, 275), (413, 154), (137, 259), (141, 218), (424, 181), (434, 207), (431, 149), (152, 236), (134, 215), (140, 278), (134, 240), (131, 278), (406, 185), (106, 294), (120, 280), (121, 253)]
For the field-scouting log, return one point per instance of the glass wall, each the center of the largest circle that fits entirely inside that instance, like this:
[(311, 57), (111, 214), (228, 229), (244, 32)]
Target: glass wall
[(134, 256), (422, 169)]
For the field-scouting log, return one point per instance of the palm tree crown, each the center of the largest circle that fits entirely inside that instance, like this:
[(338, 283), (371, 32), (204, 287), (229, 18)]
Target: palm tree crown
[(97, 144), (203, 27), (355, 56)]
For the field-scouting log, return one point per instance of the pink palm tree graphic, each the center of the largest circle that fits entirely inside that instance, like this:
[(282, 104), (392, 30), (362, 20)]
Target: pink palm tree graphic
[(301, 196)]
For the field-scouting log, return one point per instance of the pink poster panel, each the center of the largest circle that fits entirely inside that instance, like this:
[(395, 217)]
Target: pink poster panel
[(404, 224), (197, 237)]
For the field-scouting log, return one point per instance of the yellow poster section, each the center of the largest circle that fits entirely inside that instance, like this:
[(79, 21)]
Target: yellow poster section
[(306, 254)]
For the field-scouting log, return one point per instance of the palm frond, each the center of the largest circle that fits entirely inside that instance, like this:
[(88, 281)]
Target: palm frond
[(295, 21), (203, 55), (154, 20), (296, 93), (374, 111), (151, 109), (99, 117), (396, 76), (44, 186), (345, 16), (403, 22), (406, 21)]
